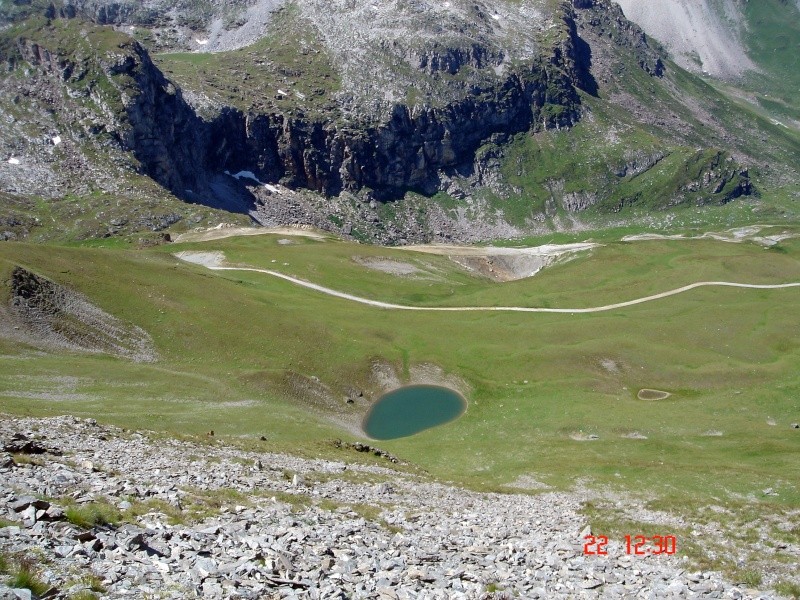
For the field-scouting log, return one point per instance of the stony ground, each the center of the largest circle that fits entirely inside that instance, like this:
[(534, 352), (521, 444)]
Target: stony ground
[(134, 515), (702, 36)]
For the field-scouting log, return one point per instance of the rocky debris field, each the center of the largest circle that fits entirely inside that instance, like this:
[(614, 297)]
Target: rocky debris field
[(702, 36), (94, 511)]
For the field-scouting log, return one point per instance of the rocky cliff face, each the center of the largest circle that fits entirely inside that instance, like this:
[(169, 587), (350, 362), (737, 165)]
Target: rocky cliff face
[(406, 146), (120, 95), (607, 19), (407, 150), (403, 147)]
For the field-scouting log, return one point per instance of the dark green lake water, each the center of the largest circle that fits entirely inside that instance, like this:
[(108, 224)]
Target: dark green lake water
[(411, 409)]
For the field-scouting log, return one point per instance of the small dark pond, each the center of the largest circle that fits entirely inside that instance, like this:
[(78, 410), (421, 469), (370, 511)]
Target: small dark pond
[(411, 409)]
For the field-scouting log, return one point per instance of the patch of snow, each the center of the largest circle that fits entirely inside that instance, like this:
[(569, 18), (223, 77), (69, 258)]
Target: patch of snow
[(246, 175), (496, 17), (252, 176), (201, 42), (300, 95), (56, 140), (282, 93), (13, 161)]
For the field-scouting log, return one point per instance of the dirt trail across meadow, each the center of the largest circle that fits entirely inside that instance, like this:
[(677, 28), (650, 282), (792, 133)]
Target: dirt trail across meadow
[(214, 260)]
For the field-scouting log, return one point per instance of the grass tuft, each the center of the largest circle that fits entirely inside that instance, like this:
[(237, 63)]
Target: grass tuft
[(26, 459), (749, 577), (788, 588), (23, 574), (93, 514)]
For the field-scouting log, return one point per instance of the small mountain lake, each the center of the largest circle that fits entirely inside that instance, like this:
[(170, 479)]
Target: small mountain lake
[(411, 409)]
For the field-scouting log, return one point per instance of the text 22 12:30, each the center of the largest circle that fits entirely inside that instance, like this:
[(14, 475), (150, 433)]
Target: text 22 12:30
[(638, 545)]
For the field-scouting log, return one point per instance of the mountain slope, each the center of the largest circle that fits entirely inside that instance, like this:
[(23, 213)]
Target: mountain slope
[(703, 36), (753, 45), (401, 122)]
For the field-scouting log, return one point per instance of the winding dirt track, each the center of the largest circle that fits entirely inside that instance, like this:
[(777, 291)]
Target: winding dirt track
[(594, 309)]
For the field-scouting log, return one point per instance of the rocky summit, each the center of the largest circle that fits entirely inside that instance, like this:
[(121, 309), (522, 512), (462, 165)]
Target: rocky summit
[(127, 514)]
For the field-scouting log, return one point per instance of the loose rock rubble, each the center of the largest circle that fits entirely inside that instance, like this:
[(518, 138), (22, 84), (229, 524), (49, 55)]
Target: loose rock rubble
[(277, 526)]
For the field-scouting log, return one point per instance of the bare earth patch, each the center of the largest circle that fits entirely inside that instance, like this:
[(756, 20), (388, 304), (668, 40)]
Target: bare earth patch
[(393, 267), (580, 436), (648, 394), (205, 259), (386, 378), (610, 365), (224, 230), (505, 264), (712, 433)]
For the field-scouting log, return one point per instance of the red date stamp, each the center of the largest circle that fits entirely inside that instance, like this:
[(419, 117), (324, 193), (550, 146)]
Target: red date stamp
[(638, 545)]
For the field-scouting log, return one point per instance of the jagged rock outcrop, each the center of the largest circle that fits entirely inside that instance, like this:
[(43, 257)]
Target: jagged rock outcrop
[(47, 315), (719, 175), (405, 152), (639, 163), (131, 101), (608, 20), (710, 177)]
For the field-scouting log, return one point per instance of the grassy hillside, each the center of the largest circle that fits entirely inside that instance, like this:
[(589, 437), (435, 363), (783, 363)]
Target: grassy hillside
[(644, 143), (773, 37), (228, 341), (248, 355)]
